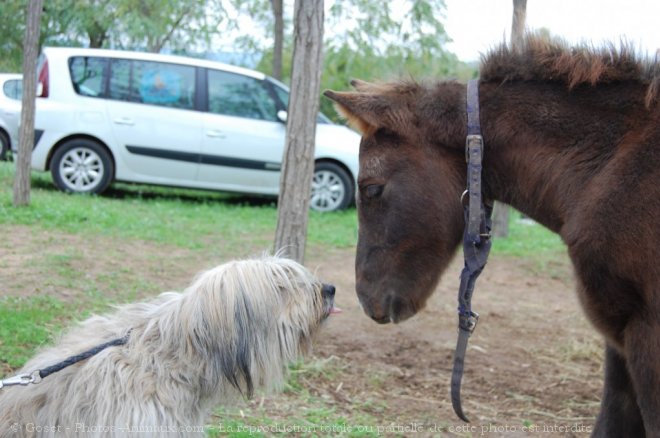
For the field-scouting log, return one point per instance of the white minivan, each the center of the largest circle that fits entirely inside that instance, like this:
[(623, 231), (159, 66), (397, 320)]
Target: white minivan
[(106, 115)]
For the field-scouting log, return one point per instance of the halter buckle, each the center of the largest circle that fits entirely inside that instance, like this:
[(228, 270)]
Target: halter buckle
[(468, 322), (474, 146)]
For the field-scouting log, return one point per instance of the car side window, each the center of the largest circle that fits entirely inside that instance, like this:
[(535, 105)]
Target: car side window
[(119, 87), (154, 83), (13, 89), (240, 96), (164, 84), (88, 75)]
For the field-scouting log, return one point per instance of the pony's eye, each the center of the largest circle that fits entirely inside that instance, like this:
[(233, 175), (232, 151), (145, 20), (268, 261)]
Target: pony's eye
[(373, 190)]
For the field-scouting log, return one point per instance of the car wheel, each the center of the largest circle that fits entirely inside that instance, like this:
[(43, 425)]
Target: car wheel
[(332, 188), (4, 145), (82, 166)]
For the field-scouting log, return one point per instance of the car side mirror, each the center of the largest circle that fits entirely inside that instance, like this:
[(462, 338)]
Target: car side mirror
[(282, 116)]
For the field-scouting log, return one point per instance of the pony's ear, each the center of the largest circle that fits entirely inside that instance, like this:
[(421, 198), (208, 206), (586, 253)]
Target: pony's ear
[(352, 106), (362, 85), (371, 107)]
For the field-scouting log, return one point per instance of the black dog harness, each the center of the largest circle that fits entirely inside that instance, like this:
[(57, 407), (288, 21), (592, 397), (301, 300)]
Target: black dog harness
[(476, 241)]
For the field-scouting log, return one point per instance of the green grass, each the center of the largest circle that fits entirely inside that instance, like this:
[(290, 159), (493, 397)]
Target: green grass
[(25, 324), (539, 249), (301, 413), (188, 218), (527, 240), (184, 218)]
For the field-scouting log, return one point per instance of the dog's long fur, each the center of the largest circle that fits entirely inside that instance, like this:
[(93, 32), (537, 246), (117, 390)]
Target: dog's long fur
[(235, 328)]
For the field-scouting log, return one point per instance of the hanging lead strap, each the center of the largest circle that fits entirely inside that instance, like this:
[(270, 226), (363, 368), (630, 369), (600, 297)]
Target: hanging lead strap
[(476, 242)]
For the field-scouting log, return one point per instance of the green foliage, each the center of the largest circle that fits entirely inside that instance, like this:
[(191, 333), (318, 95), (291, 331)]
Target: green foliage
[(126, 24), (371, 41), (365, 39), (377, 45), (153, 24)]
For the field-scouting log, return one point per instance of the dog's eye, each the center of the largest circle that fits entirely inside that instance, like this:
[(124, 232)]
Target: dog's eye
[(373, 190)]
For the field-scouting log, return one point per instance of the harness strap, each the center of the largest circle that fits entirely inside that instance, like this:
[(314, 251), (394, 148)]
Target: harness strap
[(45, 372), (37, 375), (476, 242)]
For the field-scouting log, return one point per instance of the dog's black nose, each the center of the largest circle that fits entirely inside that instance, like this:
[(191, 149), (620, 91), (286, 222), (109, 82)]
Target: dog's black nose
[(328, 290)]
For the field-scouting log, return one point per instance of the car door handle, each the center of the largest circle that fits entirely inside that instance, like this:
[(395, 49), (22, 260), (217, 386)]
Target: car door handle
[(125, 121), (214, 133)]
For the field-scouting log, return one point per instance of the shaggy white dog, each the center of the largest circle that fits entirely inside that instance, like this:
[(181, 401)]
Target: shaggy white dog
[(235, 328)]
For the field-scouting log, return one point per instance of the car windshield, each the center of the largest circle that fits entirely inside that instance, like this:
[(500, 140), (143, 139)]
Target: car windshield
[(283, 94)]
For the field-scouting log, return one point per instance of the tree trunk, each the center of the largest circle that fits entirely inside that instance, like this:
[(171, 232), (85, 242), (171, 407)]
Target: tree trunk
[(298, 160), (518, 24), (97, 34), (278, 13), (501, 220), (501, 211), (26, 133)]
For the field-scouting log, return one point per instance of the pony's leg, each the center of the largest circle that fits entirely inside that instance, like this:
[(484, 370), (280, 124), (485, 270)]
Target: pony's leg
[(619, 414), (642, 348)]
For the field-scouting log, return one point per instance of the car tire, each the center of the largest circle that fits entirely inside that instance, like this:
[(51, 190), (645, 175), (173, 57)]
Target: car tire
[(332, 187), (4, 145), (82, 166)]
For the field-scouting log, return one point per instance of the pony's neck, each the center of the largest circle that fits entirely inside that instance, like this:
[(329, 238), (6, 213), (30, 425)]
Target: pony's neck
[(544, 144)]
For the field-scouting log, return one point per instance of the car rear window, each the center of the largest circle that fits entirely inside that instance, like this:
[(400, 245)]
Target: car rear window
[(88, 75)]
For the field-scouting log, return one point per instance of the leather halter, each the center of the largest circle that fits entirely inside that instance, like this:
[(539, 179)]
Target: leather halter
[(476, 241)]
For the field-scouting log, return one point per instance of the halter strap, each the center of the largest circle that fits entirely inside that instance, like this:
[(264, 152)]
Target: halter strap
[(476, 241), (472, 107)]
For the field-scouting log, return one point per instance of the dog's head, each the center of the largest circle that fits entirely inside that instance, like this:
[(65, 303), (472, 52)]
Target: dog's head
[(255, 316), (304, 296)]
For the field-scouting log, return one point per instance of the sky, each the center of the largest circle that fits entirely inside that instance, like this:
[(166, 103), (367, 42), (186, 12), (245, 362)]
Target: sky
[(477, 25)]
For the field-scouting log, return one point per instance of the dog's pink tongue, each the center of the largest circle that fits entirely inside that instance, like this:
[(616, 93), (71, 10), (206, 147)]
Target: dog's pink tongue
[(335, 310)]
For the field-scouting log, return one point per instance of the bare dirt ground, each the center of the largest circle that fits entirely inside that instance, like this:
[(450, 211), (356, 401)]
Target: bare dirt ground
[(533, 367)]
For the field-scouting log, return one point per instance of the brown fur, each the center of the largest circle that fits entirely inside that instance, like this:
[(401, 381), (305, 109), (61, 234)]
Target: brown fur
[(552, 60), (572, 139)]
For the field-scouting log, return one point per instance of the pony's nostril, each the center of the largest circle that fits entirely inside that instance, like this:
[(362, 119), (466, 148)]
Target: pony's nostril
[(328, 290)]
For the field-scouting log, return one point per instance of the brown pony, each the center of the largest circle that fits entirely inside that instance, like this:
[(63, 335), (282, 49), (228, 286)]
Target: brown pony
[(572, 139)]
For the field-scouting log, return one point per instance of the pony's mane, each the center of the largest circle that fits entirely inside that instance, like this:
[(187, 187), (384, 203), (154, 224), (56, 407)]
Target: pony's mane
[(552, 60)]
